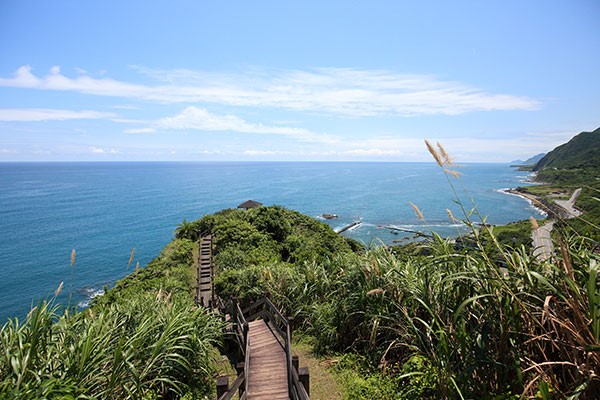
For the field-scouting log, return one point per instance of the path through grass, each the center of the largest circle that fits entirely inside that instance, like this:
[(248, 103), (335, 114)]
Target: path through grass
[(323, 383)]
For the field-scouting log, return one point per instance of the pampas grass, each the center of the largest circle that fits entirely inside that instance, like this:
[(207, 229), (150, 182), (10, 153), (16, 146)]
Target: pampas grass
[(58, 289), (418, 212), (131, 257), (436, 156), (534, 224)]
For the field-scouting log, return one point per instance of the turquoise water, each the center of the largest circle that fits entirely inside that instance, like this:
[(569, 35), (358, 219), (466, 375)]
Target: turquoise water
[(104, 210)]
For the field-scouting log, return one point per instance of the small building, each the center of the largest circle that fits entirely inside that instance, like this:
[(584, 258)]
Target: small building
[(250, 204)]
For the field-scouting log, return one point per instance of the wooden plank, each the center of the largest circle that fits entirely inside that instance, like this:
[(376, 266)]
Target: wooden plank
[(267, 372)]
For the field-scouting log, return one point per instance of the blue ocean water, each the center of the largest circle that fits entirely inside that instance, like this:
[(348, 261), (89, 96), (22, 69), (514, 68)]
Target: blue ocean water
[(104, 210)]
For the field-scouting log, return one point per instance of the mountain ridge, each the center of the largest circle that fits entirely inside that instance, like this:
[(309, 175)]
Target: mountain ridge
[(582, 151)]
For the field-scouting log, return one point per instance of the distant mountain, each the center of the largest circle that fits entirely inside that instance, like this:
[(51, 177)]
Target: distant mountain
[(583, 151), (534, 160), (530, 161)]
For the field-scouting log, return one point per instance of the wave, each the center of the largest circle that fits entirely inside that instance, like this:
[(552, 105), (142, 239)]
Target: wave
[(422, 226), (509, 191), (90, 293)]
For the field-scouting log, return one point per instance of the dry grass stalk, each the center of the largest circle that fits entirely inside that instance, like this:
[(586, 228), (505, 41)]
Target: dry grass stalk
[(534, 223), (73, 254), (374, 292), (451, 215), (417, 211), (455, 174), (137, 266), (58, 289), (434, 153), (376, 269), (131, 257), (445, 155)]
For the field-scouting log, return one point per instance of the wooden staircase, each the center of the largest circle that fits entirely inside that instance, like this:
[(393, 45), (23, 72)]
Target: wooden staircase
[(205, 292), (269, 371)]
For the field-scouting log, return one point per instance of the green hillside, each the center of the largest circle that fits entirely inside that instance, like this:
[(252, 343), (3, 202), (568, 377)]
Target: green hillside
[(583, 151)]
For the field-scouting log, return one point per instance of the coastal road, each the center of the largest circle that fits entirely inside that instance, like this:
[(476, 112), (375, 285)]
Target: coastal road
[(569, 205), (542, 240)]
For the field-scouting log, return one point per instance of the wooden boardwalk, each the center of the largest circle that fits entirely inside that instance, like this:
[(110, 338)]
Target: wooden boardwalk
[(267, 370), (204, 281)]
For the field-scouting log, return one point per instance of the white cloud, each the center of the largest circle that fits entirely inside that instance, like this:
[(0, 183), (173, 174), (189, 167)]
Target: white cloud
[(194, 118), (140, 130), (374, 152), (265, 152), (345, 91), (48, 114), (100, 150)]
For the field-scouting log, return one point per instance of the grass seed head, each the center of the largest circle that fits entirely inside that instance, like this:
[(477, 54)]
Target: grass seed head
[(455, 174), (445, 155), (73, 254), (451, 215), (374, 292), (434, 153), (131, 257), (534, 223), (58, 289), (417, 211)]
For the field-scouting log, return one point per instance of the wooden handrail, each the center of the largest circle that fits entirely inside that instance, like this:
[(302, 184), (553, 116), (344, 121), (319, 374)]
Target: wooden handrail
[(252, 307), (228, 395), (281, 325), (246, 361)]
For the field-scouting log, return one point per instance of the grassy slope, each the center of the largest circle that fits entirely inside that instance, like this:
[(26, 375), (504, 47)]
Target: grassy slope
[(438, 323), (142, 339)]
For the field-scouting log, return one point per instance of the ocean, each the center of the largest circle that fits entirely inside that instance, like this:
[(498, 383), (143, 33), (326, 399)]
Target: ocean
[(104, 210)]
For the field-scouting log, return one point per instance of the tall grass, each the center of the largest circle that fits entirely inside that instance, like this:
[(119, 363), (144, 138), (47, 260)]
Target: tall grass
[(144, 339), (149, 347)]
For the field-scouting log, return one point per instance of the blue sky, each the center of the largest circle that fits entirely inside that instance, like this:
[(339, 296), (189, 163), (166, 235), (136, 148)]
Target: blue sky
[(310, 80)]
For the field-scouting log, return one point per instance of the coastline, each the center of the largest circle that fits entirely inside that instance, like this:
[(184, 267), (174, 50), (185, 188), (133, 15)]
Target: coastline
[(534, 201)]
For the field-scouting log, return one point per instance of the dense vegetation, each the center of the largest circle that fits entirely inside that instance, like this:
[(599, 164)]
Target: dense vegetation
[(449, 324), (144, 339), (249, 240), (479, 317), (445, 321), (582, 151)]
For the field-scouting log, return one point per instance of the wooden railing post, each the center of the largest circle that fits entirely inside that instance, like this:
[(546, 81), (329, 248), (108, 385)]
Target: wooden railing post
[(304, 378), (295, 362), (239, 367), (222, 385)]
